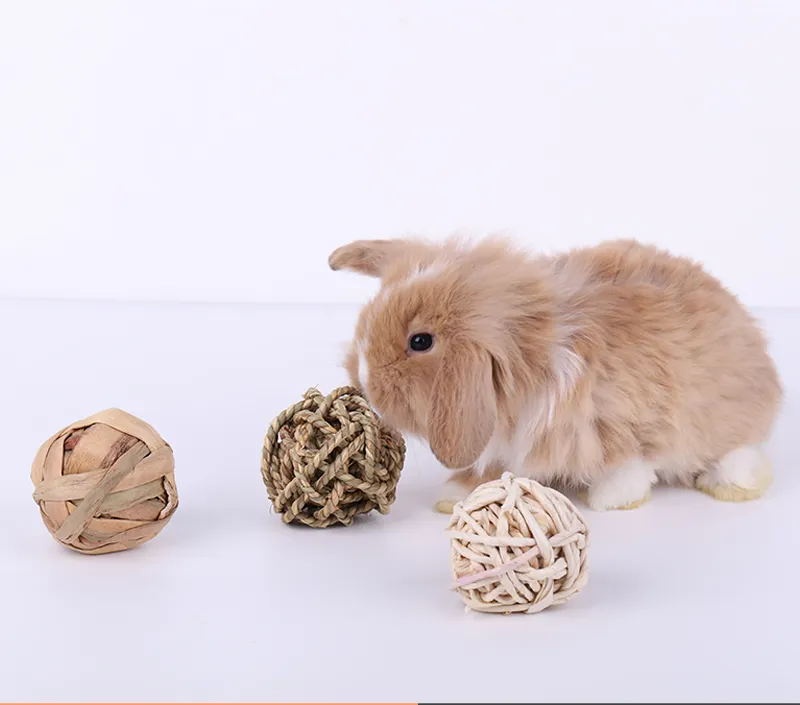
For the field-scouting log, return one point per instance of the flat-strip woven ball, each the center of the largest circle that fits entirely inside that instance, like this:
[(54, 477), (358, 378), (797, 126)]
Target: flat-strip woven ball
[(105, 484), (517, 546), (327, 459)]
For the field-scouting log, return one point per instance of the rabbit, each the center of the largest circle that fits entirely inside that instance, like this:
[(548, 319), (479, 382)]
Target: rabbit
[(605, 369)]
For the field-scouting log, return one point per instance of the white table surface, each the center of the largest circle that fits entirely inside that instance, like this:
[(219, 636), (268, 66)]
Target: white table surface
[(688, 598)]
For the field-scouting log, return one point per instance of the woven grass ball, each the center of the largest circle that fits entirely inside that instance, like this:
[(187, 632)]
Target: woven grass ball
[(517, 546), (105, 484), (328, 458)]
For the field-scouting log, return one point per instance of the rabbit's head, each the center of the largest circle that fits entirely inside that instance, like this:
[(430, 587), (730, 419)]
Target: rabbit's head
[(455, 337)]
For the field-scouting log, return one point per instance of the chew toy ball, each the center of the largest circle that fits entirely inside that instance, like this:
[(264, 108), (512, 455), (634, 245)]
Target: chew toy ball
[(517, 546), (105, 484), (328, 458)]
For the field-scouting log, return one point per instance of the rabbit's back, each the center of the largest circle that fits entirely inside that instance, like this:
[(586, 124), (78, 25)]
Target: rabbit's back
[(675, 367)]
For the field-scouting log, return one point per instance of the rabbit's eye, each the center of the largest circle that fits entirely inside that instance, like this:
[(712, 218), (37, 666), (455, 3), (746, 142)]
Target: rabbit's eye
[(420, 342)]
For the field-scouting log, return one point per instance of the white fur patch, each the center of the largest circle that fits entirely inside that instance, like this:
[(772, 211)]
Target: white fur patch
[(423, 271), (494, 452), (363, 366), (622, 486), (385, 292), (532, 423), (567, 367), (745, 467), (420, 272), (512, 451)]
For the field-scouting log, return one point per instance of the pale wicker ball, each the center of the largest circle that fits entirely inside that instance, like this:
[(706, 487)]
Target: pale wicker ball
[(105, 484), (517, 546)]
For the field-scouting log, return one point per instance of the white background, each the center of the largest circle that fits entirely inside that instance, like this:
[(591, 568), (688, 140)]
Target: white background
[(212, 154), (218, 151)]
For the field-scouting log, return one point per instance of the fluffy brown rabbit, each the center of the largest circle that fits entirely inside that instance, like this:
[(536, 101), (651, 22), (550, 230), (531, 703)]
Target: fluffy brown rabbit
[(605, 368)]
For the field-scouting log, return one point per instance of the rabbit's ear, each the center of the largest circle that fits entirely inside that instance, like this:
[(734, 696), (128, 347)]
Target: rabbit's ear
[(370, 257), (375, 257), (464, 407)]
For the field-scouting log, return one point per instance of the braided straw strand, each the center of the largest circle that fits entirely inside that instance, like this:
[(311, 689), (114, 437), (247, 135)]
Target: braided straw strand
[(105, 484), (327, 459), (517, 546)]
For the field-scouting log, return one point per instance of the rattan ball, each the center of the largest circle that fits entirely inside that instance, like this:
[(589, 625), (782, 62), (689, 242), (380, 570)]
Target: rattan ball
[(517, 546), (328, 459), (105, 484)]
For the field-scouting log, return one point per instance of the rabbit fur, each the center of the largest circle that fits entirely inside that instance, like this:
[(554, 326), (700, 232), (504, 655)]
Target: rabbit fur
[(605, 368)]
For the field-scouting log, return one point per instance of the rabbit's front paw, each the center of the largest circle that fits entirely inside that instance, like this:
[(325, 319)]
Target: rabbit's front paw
[(461, 483), (452, 492)]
